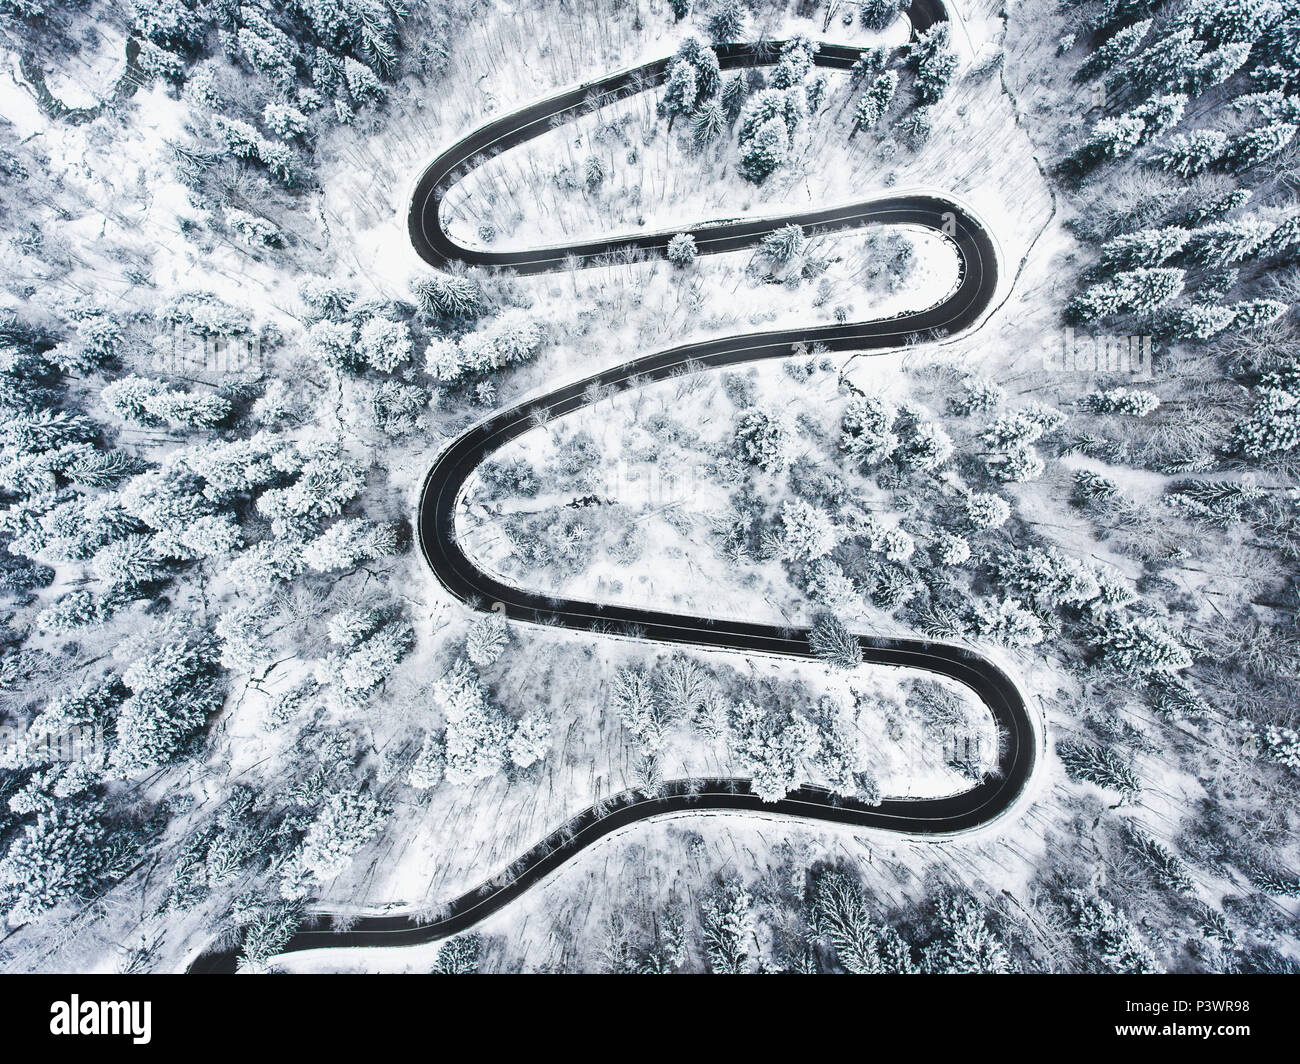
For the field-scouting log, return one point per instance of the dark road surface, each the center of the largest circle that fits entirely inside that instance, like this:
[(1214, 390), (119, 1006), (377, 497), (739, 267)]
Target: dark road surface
[(458, 574)]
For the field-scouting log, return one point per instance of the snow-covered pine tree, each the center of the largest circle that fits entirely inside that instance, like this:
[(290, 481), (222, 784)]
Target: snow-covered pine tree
[(879, 14), (1113, 138), (834, 644), (934, 62), (1110, 936), (349, 626), (681, 250), (680, 92), (1273, 425), (267, 932), (357, 671), (808, 531), (1216, 67), (638, 705), (331, 344), (1166, 65), (1118, 47), (1189, 154), (127, 397), (1147, 247), (1140, 645), (762, 153), (268, 50), (347, 542), (326, 298), (1128, 292), (732, 96), (950, 550), (384, 345), (56, 857), (1227, 242), (1253, 146), (873, 103), (346, 822), (980, 395), (531, 740), (478, 732), (1226, 21), (125, 566), (862, 946), (923, 446), (1253, 313), (1193, 321), (1133, 402), (394, 408), (963, 942), (460, 955), (761, 439), (1006, 622), (284, 120), (72, 611), (726, 21), (815, 93), (795, 62), (363, 84), (708, 124), (486, 640), (1099, 765), (443, 295), (865, 431), (260, 569), (1165, 866), (728, 923), (173, 691), (986, 511), (244, 646), (427, 769), (254, 231)]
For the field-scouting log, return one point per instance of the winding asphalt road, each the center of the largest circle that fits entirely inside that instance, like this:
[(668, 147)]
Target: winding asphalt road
[(961, 309)]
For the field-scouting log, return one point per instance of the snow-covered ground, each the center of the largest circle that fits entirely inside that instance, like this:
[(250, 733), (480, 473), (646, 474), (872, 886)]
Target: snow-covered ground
[(119, 228)]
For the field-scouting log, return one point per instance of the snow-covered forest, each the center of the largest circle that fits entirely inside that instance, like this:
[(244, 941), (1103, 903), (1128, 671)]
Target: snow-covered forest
[(235, 700)]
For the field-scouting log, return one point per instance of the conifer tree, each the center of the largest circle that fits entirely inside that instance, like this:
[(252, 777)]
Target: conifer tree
[(1147, 247), (727, 920), (862, 946), (834, 644), (1224, 243), (1167, 65), (766, 150), (1110, 936), (876, 100), (1118, 47), (1133, 402), (56, 857), (681, 250), (1189, 154), (964, 942), (726, 21), (486, 640), (1253, 146), (384, 345), (934, 62), (531, 740)]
